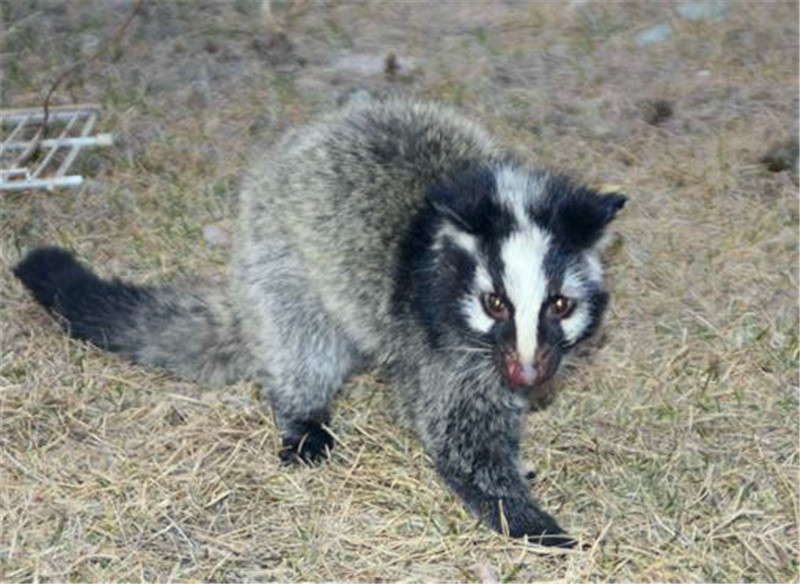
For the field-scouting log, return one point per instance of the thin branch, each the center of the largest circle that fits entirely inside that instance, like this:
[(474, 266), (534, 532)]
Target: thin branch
[(40, 133)]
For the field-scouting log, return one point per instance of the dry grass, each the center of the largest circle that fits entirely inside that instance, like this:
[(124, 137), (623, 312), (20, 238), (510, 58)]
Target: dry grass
[(672, 448)]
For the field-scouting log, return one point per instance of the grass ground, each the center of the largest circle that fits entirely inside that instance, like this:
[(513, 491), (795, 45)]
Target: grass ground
[(672, 447)]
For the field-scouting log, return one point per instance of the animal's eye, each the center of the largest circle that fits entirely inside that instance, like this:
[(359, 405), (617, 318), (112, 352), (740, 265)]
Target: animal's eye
[(495, 306), (562, 306)]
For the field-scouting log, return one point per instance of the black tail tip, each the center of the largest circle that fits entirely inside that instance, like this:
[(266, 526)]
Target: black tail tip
[(43, 268)]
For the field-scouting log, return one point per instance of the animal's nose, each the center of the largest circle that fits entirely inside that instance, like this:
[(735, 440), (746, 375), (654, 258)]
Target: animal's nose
[(521, 374)]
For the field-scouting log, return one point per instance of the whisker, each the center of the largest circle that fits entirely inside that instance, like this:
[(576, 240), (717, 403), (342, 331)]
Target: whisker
[(470, 350)]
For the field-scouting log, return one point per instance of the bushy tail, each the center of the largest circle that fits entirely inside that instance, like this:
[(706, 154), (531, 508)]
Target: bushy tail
[(192, 332)]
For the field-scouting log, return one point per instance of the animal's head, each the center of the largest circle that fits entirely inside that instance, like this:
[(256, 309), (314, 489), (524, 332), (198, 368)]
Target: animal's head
[(516, 274)]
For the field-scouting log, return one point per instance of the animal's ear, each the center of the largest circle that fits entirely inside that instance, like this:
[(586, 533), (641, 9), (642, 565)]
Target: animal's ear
[(580, 216), (608, 205), (464, 199)]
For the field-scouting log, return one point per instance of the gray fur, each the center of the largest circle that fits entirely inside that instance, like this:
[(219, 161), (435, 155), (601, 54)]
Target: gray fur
[(193, 332), (313, 288)]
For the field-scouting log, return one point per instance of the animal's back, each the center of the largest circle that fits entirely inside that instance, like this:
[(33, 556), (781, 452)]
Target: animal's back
[(341, 196)]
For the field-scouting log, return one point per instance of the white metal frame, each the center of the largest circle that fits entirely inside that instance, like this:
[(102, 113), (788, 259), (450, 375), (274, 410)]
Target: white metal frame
[(74, 124)]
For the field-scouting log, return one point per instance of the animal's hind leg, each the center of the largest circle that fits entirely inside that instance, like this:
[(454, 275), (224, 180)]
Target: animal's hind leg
[(302, 354), (306, 358), (316, 358)]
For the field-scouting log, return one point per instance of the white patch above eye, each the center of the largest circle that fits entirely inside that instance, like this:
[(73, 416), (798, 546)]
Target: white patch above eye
[(483, 281), (472, 305), (578, 280), (573, 285), (476, 315), (581, 275), (517, 190), (593, 267), (459, 238), (526, 284), (576, 323)]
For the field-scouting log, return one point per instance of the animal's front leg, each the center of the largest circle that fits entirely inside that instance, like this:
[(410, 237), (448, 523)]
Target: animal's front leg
[(474, 440)]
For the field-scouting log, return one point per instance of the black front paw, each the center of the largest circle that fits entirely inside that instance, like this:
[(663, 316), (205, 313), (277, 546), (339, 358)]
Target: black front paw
[(525, 519), (306, 441)]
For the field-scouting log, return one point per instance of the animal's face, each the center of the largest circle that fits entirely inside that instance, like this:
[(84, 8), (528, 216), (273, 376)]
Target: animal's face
[(517, 258)]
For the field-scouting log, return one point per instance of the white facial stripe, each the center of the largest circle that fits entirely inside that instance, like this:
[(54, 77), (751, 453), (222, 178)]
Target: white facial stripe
[(517, 190), (526, 284)]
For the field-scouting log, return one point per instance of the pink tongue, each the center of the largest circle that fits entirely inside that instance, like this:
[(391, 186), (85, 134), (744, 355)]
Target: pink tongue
[(519, 374)]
